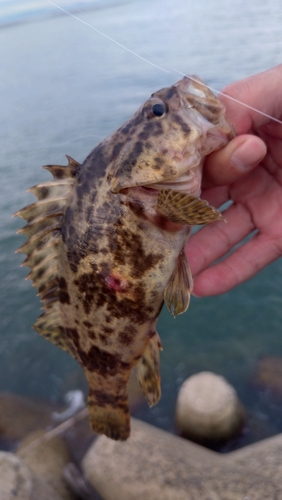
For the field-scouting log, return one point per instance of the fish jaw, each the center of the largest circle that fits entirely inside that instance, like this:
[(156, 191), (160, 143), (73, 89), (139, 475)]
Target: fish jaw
[(192, 126)]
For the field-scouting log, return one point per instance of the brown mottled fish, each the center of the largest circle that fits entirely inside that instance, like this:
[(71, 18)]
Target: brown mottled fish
[(106, 243)]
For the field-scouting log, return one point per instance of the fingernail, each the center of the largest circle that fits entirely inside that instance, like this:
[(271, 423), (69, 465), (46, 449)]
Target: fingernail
[(246, 157)]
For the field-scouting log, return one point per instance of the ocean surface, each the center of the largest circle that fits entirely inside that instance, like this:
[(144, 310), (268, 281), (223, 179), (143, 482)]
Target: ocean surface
[(64, 87)]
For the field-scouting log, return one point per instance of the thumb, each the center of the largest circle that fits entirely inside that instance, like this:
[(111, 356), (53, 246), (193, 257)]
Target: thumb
[(237, 158)]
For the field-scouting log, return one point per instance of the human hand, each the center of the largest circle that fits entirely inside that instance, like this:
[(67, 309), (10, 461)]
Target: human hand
[(249, 175)]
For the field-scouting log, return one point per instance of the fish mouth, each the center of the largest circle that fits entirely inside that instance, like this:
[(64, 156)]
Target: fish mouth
[(141, 192), (189, 182), (150, 192)]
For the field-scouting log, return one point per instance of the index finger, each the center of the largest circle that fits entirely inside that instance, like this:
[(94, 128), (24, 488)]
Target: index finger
[(250, 103)]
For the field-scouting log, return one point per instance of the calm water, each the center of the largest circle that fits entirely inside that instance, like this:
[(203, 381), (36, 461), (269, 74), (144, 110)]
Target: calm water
[(64, 87)]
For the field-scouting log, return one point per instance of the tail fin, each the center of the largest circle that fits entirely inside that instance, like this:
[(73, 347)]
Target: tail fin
[(109, 414)]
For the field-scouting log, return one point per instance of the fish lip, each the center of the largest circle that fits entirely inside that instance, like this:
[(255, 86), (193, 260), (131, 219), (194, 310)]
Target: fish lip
[(152, 190), (145, 190)]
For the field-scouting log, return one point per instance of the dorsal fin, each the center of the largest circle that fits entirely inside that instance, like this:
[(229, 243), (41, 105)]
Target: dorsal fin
[(60, 172), (43, 230)]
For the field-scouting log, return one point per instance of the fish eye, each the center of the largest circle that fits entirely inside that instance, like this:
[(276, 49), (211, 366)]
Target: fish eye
[(154, 108), (158, 109)]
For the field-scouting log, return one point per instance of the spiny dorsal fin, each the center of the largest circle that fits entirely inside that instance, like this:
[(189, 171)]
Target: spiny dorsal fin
[(61, 172), (43, 230)]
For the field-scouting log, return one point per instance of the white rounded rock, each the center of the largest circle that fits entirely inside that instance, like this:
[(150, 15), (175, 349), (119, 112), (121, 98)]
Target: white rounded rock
[(208, 408)]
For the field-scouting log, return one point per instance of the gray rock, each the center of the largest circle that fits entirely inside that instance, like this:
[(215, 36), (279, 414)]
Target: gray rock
[(268, 374), (20, 415), (47, 459), (18, 483), (148, 465), (154, 465), (208, 409)]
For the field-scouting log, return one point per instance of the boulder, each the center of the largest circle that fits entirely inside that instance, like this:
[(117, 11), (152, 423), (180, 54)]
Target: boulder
[(268, 374), (47, 459), (18, 483), (20, 415), (208, 409), (153, 464)]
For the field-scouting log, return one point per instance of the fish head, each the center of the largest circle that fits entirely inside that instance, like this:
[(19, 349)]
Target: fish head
[(167, 139)]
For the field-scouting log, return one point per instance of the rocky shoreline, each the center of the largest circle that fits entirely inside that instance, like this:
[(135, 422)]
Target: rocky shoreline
[(70, 463), (152, 464)]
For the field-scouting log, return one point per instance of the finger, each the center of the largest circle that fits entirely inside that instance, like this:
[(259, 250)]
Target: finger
[(215, 240), (216, 196), (241, 265), (238, 157), (245, 99)]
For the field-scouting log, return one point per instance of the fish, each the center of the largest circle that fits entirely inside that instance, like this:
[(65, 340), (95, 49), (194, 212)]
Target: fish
[(106, 243)]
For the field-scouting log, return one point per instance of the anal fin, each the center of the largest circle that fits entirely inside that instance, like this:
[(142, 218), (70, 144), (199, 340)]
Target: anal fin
[(148, 370), (179, 288), (184, 208)]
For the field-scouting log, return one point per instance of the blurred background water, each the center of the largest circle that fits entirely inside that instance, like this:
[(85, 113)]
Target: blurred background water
[(64, 87)]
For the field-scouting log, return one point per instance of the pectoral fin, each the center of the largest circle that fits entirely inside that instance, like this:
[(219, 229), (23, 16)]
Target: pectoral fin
[(184, 208), (148, 370), (179, 288)]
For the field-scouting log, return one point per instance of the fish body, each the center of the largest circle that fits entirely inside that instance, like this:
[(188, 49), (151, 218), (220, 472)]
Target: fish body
[(106, 243)]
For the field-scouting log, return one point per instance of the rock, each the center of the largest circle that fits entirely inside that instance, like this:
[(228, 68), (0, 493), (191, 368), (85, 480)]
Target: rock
[(18, 483), (20, 415), (268, 374), (154, 465), (150, 464), (47, 459), (79, 437), (208, 409)]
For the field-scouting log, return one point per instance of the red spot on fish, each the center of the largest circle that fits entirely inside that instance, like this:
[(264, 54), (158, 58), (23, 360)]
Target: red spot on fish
[(116, 283)]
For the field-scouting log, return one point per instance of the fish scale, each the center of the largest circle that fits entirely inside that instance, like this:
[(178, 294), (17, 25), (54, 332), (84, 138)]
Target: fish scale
[(106, 244)]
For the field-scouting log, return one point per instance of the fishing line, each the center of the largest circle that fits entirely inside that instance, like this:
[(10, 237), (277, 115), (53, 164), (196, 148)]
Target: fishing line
[(108, 37), (170, 70), (232, 98)]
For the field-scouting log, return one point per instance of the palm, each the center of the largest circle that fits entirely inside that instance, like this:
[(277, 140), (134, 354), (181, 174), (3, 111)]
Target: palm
[(257, 206)]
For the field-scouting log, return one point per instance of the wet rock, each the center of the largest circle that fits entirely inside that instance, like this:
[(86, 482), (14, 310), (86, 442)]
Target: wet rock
[(20, 415), (47, 459), (208, 409), (79, 436), (18, 483), (268, 374), (153, 464), (78, 484)]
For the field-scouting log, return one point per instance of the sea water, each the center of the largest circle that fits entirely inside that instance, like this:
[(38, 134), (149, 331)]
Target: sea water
[(64, 87)]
